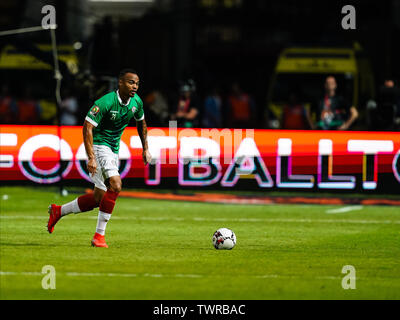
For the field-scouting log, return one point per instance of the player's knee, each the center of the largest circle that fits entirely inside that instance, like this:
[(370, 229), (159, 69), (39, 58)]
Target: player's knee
[(117, 188), (116, 185)]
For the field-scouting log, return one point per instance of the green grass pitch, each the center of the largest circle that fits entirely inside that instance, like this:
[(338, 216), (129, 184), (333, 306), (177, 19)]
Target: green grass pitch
[(163, 250)]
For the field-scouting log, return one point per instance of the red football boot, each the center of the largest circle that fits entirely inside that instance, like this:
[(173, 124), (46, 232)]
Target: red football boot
[(55, 215), (99, 241)]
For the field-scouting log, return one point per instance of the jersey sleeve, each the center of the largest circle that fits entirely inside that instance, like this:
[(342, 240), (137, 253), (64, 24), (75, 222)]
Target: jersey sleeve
[(97, 112), (139, 112)]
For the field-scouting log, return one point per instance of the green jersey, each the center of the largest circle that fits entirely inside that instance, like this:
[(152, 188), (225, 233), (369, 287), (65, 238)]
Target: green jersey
[(110, 117)]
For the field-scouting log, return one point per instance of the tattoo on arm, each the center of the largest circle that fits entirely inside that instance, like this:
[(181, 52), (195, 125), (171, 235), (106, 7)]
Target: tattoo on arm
[(142, 131)]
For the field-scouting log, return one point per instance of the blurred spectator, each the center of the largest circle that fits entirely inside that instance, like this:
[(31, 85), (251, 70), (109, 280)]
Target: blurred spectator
[(334, 112), (212, 117), (388, 106), (8, 107), (28, 108), (69, 109), (241, 108), (295, 115), (187, 109), (157, 107)]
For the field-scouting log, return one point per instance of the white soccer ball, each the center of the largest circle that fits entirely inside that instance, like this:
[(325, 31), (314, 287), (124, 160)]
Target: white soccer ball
[(224, 238)]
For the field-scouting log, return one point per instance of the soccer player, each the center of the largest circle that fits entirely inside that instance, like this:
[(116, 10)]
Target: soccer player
[(102, 130)]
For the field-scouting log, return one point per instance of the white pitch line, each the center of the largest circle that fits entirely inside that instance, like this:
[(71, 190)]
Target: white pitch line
[(345, 209), (11, 273), (150, 275), (266, 276), (197, 219), (166, 275), (99, 274), (275, 276)]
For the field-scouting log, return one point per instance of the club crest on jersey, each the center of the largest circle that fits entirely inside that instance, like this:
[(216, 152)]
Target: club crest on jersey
[(95, 110), (133, 109), (113, 115)]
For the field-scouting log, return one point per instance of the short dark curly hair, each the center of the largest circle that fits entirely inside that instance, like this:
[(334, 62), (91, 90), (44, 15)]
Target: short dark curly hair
[(125, 71)]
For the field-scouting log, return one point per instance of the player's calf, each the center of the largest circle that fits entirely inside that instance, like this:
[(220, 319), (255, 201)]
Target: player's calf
[(83, 203), (106, 208)]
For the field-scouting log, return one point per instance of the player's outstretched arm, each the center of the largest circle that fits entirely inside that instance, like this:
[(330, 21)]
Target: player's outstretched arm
[(88, 142), (142, 131)]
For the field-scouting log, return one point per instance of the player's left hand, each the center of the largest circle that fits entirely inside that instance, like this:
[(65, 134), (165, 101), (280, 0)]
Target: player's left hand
[(146, 157)]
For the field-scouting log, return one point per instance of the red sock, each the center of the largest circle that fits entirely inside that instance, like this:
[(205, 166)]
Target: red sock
[(87, 202), (108, 201)]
